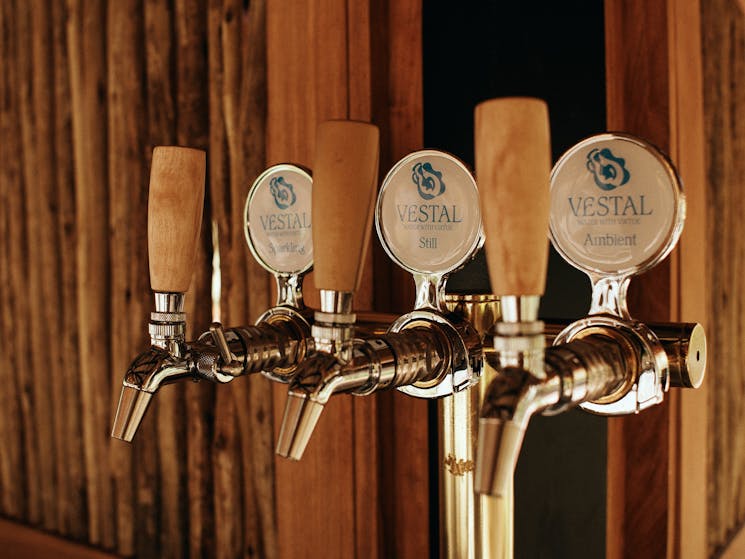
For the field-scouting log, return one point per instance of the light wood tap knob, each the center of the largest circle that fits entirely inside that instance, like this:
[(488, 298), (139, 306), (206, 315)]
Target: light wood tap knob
[(174, 216), (513, 162), (345, 175)]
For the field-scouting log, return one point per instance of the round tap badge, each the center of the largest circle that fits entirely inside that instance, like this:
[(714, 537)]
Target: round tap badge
[(277, 220), (427, 216), (616, 206)]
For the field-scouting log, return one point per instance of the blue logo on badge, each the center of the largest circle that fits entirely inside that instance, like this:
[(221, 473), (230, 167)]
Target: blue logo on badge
[(284, 195), (609, 171), (428, 180)]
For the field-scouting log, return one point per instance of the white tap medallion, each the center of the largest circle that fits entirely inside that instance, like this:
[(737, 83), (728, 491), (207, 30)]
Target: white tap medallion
[(277, 220), (427, 216), (616, 206)]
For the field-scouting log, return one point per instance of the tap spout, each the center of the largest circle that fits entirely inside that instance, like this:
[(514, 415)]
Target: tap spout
[(395, 359), (255, 349), (147, 373), (575, 372)]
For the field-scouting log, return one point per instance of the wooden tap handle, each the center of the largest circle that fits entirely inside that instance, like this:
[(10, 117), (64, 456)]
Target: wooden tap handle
[(513, 162), (174, 216), (345, 176)]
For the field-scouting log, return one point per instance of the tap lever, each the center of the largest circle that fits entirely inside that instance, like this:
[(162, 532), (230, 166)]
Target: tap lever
[(230, 364), (175, 204), (513, 161), (345, 179)]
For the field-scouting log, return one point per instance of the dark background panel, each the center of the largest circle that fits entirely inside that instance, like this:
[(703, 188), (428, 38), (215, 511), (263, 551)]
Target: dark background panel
[(475, 51)]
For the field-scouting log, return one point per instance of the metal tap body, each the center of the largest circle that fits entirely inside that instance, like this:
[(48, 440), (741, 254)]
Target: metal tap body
[(422, 348), (218, 356), (608, 365)]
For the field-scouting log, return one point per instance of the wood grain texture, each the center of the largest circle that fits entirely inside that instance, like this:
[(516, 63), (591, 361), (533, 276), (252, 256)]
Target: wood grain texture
[(345, 168), (175, 202), (723, 29), (75, 509), (638, 102), (403, 446), (128, 194), (307, 83), (17, 466), (86, 48), (79, 115), (655, 463), (687, 149), (35, 110), (194, 421), (513, 162)]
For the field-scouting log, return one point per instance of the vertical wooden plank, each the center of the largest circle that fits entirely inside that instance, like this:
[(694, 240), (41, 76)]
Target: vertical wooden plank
[(723, 28), (638, 454), (308, 80), (35, 113), (129, 277), (18, 487), (244, 100), (365, 410), (75, 508), (192, 129), (160, 57), (45, 204), (241, 95), (687, 148), (86, 47), (225, 444)]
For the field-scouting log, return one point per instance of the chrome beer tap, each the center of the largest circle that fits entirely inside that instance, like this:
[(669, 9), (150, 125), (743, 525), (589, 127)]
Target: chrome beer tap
[(277, 227), (428, 352), (174, 215), (346, 170), (607, 363)]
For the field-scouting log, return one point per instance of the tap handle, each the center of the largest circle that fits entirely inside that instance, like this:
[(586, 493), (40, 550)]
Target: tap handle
[(218, 337), (174, 215), (345, 174), (513, 162)]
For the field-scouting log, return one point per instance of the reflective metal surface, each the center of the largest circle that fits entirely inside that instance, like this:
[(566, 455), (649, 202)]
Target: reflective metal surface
[(378, 363), (574, 372), (472, 526)]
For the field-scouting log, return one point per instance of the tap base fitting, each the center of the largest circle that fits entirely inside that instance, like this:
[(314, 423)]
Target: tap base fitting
[(463, 359), (645, 360), (520, 345), (334, 333)]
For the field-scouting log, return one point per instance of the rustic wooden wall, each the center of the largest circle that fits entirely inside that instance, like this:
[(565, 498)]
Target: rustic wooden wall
[(656, 465), (87, 88), (723, 25)]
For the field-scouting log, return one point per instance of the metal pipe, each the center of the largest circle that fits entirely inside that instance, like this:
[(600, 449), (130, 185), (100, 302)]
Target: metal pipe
[(472, 526)]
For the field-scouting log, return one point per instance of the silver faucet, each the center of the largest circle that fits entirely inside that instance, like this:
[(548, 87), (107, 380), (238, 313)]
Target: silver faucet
[(607, 363), (429, 352)]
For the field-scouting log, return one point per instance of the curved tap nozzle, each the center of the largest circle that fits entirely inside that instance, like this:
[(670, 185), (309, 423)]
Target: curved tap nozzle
[(395, 359), (316, 380), (147, 373), (218, 356), (510, 401), (572, 373)]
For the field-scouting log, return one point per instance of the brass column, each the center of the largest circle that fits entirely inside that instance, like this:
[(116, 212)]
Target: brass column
[(471, 526)]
